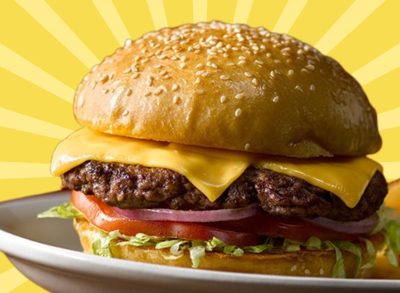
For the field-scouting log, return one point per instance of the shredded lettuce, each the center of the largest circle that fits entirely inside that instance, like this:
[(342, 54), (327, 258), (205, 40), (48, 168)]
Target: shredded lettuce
[(313, 243), (196, 255), (353, 249), (392, 238), (63, 211), (338, 270), (103, 243), (371, 251)]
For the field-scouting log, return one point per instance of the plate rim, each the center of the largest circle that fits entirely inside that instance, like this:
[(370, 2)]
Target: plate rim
[(70, 260)]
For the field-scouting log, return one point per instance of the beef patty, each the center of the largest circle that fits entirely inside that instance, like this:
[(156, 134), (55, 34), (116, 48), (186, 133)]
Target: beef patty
[(135, 186)]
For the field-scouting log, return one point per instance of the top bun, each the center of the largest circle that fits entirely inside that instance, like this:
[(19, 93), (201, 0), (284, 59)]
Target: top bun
[(229, 86)]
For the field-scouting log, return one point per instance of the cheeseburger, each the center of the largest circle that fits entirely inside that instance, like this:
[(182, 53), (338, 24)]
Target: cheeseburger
[(225, 147)]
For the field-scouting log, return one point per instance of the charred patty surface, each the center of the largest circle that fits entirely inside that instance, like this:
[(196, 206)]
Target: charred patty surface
[(135, 186)]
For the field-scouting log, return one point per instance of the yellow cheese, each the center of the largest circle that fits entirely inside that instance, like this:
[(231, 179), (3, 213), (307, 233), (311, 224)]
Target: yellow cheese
[(347, 178), (211, 170)]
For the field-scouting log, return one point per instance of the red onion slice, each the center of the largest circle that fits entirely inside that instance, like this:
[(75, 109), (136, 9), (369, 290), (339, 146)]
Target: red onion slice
[(360, 227), (190, 215)]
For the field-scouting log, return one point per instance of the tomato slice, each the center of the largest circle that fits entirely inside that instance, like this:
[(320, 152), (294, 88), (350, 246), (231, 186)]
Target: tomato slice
[(106, 219), (250, 231)]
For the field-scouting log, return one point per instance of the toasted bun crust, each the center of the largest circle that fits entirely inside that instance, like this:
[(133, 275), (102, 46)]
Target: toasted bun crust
[(304, 263), (229, 86)]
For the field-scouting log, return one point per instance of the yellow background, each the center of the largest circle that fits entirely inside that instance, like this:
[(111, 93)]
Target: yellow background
[(47, 46)]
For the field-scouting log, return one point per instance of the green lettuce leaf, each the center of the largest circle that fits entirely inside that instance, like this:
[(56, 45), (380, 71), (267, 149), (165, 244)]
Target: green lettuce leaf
[(63, 211), (102, 243), (353, 249), (196, 255), (371, 254), (392, 239), (338, 269)]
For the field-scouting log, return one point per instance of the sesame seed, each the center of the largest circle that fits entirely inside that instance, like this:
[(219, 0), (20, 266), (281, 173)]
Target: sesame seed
[(299, 88), (128, 43), (272, 74), (104, 78), (290, 72), (258, 62), (321, 271), (126, 70), (225, 55), (93, 85), (213, 65), (176, 99), (238, 112), (148, 93), (163, 72), (312, 87), (241, 62), (275, 99), (157, 66), (182, 65), (268, 55), (239, 96), (247, 146), (307, 271), (293, 268), (197, 80), (248, 74), (125, 113), (199, 66), (134, 68), (223, 77), (175, 87), (222, 99), (254, 81), (158, 91), (310, 67), (149, 81), (199, 72), (104, 91), (135, 75), (128, 92)]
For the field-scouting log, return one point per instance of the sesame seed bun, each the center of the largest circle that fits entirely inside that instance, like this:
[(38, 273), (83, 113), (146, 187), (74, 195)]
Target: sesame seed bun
[(229, 86), (304, 263)]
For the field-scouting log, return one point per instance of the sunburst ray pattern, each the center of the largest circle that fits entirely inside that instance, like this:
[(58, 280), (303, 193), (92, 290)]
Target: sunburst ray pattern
[(289, 15), (70, 37), (199, 10), (356, 13), (30, 72), (157, 11), (113, 19), (46, 16)]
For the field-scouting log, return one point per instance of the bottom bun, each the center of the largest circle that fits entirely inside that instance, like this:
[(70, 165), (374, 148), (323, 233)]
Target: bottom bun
[(302, 263)]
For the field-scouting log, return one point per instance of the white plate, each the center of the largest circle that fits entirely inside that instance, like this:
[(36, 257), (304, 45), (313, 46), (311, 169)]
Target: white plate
[(48, 252)]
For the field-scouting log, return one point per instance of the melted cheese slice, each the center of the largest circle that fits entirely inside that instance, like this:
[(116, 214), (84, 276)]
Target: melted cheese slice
[(212, 170)]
